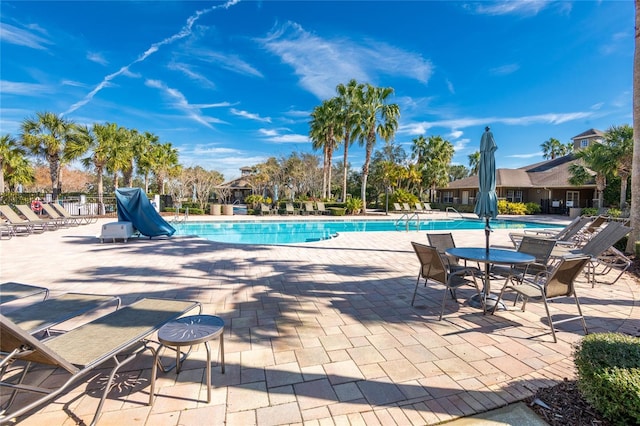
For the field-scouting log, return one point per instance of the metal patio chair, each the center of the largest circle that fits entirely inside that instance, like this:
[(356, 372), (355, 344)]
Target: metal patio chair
[(560, 282), (434, 269)]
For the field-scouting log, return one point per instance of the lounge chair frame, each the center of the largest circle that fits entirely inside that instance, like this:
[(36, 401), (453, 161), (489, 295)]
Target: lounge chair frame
[(82, 219), (19, 224), (119, 336), (11, 291), (30, 215)]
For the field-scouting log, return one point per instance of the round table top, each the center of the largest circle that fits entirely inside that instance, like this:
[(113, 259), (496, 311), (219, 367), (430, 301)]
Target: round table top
[(480, 254), (191, 330)]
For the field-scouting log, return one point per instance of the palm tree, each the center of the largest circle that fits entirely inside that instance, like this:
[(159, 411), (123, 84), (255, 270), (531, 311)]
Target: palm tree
[(598, 158), (635, 167), (474, 163), (553, 148), (378, 119), (325, 119), (11, 155), (165, 163), (101, 142), (350, 97), (48, 136), (144, 156), (433, 156), (619, 139)]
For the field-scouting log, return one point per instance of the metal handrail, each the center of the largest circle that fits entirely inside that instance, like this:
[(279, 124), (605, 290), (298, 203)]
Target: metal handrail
[(451, 208), (408, 219)]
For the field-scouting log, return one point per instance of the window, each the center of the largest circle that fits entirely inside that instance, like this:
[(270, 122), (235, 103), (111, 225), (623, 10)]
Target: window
[(584, 143), (514, 196), (573, 199), (447, 197)]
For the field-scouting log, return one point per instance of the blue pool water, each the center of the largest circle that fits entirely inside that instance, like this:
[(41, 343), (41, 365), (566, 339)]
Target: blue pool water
[(289, 232)]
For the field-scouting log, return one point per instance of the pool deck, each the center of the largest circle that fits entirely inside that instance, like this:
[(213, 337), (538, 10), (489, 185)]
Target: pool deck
[(318, 333)]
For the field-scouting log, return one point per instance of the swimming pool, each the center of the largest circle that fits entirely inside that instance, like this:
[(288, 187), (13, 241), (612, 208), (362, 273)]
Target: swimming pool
[(290, 232)]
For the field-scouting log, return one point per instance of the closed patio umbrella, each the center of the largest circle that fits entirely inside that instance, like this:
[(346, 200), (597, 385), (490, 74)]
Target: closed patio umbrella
[(487, 201)]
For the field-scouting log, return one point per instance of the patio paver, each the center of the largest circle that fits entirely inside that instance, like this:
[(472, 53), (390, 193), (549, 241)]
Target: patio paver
[(318, 332)]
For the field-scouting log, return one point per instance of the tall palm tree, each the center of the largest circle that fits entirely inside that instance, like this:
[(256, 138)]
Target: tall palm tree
[(379, 118), (11, 154), (619, 139), (144, 156), (165, 163), (635, 173), (101, 142), (474, 163), (48, 136), (325, 119), (350, 97), (434, 156)]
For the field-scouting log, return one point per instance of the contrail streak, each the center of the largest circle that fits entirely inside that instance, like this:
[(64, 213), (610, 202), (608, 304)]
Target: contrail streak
[(186, 30)]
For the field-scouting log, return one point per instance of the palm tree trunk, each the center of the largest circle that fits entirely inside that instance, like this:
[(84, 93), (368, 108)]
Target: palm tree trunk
[(345, 168), (635, 167)]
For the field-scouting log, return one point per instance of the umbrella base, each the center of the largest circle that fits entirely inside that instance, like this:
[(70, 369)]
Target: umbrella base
[(492, 300)]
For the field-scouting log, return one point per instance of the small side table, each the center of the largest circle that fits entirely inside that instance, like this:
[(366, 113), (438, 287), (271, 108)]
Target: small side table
[(193, 330)]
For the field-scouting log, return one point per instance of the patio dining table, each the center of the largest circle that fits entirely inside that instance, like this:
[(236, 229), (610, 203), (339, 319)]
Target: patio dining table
[(489, 257)]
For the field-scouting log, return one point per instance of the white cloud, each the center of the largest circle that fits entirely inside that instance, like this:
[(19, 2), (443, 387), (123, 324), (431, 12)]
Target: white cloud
[(184, 32), (18, 36), (532, 155), (420, 128), (321, 64), (511, 7), (25, 89), (97, 58), (229, 62), (505, 69), (181, 103), (249, 115), (197, 77)]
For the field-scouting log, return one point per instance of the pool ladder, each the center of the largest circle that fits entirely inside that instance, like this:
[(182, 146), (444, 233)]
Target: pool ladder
[(408, 217)]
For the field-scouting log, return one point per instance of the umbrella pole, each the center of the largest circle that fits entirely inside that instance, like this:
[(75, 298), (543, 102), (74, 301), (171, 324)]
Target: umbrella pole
[(487, 230)]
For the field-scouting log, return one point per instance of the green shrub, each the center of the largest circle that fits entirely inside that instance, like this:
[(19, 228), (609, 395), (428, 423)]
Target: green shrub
[(254, 199), (402, 196), (507, 207), (354, 205), (614, 212), (589, 211), (533, 208), (609, 375), (337, 211)]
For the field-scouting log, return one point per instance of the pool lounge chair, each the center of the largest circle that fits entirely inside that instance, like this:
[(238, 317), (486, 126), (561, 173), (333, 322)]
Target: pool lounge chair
[(11, 291), (289, 209), (41, 316), (20, 225), (308, 208), (53, 214), (265, 209), (119, 337), (321, 209), (52, 223), (398, 208), (427, 208), (83, 219), (601, 252)]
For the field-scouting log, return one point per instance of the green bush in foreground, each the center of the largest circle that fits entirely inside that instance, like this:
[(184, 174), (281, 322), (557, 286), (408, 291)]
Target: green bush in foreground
[(609, 375)]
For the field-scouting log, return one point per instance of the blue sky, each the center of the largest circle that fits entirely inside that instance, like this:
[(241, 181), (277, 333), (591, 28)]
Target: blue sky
[(233, 83)]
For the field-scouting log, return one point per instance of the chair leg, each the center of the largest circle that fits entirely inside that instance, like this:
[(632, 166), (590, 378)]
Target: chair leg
[(493, 311), (584, 323), (444, 298), (416, 289), (546, 307)]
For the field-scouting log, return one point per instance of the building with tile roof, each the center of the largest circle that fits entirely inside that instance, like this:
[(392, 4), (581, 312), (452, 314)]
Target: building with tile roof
[(546, 183)]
